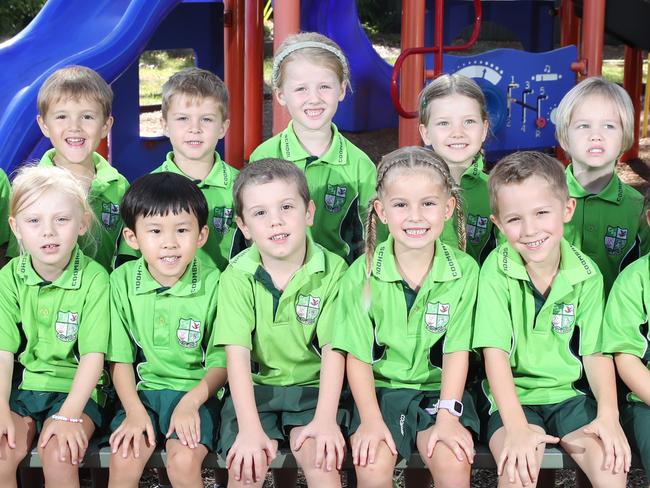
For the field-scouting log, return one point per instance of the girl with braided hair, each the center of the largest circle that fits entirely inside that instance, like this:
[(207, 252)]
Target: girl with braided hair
[(405, 319)]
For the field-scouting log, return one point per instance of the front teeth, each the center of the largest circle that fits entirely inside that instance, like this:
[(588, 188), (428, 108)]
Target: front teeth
[(169, 259), (194, 143), (313, 113), (596, 150), (75, 140), (415, 232), (458, 146), (535, 243), (279, 237)]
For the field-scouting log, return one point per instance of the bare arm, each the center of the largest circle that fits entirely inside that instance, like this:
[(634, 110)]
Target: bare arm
[(6, 423), (635, 375), (85, 380)]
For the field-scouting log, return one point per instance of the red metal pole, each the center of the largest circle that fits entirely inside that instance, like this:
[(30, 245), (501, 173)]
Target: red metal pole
[(234, 78), (569, 24), (412, 75), (286, 21), (632, 82), (253, 76), (438, 41), (593, 35)]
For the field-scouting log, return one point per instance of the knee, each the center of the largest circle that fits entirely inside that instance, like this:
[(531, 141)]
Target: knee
[(376, 475), (124, 470), (183, 464), (51, 458), (454, 474)]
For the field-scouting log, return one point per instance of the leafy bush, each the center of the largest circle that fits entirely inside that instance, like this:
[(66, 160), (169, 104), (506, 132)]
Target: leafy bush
[(16, 14)]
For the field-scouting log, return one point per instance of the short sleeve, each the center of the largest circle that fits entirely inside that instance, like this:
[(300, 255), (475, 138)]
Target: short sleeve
[(589, 315), (95, 328), (236, 311), (327, 318), (459, 331), (9, 310), (120, 346)]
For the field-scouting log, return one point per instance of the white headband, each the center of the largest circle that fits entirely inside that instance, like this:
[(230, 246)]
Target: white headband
[(277, 61)]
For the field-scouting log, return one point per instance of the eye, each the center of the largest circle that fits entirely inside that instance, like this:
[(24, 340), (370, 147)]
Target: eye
[(442, 123), (542, 212), (32, 221), (154, 231), (300, 89), (429, 204), (582, 126), (59, 117), (183, 230), (181, 118), (610, 126), (287, 206), (399, 204), (325, 86), (470, 121), (513, 220), (208, 120), (63, 220), (259, 213), (88, 117)]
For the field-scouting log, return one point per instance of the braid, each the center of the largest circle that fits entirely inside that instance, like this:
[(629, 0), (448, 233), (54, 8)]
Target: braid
[(371, 235), (461, 230)]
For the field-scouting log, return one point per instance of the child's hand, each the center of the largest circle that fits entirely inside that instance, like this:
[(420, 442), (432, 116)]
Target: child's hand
[(366, 440), (185, 421), (69, 436), (615, 444), (245, 455), (451, 432), (135, 426), (518, 457), (330, 445), (7, 426)]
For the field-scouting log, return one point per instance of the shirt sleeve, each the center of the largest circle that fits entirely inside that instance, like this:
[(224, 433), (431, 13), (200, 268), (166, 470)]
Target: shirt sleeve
[(96, 323), (236, 312), (9, 310), (215, 356), (5, 191), (120, 345), (326, 320), (589, 315), (459, 331)]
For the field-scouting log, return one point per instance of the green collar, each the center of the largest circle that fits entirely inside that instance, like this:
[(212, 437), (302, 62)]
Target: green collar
[(70, 279), (220, 175), (573, 266), (445, 266), (613, 192), (187, 285), (293, 150), (474, 174), (105, 174)]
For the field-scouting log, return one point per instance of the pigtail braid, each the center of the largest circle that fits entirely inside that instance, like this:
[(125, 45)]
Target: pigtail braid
[(371, 235), (461, 229)]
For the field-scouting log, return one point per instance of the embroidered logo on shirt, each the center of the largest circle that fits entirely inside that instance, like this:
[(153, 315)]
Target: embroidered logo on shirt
[(222, 219), (335, 197), (307, 309), (436, 317), (110, 214), (67, 326), (615, 239), (563, 317), (189, 333), (476, 227)]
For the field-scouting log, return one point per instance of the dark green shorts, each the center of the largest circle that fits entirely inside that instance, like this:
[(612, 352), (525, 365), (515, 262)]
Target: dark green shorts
[(40, 405), (403, 411), (280, 408), (557, 419), (160, 405), (635, 418)]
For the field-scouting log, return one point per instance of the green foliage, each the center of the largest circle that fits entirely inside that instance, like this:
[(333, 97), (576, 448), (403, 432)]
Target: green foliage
[(16, 14), (380, 16), (156, 67)]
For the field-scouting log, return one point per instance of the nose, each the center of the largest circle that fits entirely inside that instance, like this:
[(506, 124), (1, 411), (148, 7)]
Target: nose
[(528, 227), (276, 217), (415, 213), (195, 125), (48, 228), (169, 240)]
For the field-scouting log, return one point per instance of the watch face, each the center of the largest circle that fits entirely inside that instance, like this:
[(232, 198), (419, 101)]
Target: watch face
[(458, 408)]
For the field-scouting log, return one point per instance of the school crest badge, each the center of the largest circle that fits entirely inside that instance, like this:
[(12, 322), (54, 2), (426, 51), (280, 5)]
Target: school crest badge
[(67, 326), (110, 214), (563, 317), (476, 227), (436, 317), (307, 309), (189, 333), (222, 219), (615, 239), (335, 197)]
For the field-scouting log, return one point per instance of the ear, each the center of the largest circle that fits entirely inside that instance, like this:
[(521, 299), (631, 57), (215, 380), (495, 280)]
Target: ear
[(165, 128), (379, 208), (424, 134), (450, 206), (14, 228), (130, 238), (311, 210), (203, 236), (569, 208), (495, 220), (43, 126), (486, 128), (244, 229), (279, 96), (106, 128), (224, 128), (344, 86), (85, 223)]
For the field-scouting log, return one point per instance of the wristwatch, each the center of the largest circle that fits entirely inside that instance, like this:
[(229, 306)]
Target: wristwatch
[(454, 407)]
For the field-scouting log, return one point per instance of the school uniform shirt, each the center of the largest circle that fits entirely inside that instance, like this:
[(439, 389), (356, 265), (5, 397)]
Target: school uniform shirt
[(50, 325), (165, 331), (607, 227), (544, 339), (404, 333), (105, 195), (476, 205), (341, 183), (625, 325), (285, 330), (217, 189), (5, 194)]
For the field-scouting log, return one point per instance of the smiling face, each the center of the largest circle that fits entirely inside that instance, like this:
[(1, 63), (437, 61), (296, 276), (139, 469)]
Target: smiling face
[(595, 134), (455, 129), (194, 127), (415, 205), (168, 243), (75, 127), (532, 216), (48, 229)]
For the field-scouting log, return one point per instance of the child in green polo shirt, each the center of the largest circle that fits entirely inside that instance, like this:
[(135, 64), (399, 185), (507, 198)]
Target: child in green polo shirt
[(74, 112), (54, 321), (195, 118), (405, 320), (276, 310), (595, 126), (163, 309), (625, 333), (538, 320), (454, 122), (310, 78)]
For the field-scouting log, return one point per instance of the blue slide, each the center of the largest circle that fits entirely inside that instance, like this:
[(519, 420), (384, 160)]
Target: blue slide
[(106, 35)]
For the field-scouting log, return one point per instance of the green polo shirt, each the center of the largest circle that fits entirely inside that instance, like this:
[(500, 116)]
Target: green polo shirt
[(166, 332), (476, 205), (284, 329), (608, 226), (341, 183), (625, 325), (217, 189), (5, 194), (106, 192), (52, 324), (545, 348), (405, 346)]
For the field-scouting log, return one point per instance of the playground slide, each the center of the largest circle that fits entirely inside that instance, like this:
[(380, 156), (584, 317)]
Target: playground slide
[(106, 35), (370, 106)]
